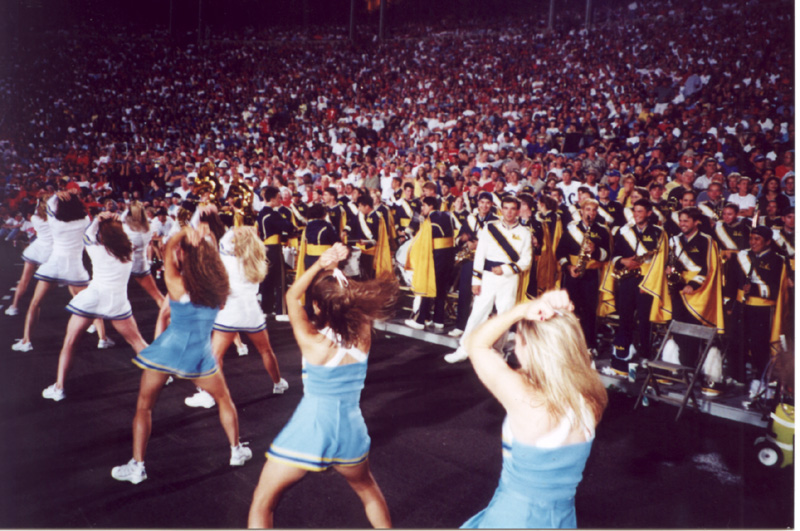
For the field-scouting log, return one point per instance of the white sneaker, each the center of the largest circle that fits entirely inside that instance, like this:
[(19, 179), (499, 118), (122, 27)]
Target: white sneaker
[(240, 454), (454, 357), (132, 471), (200, 399), (11, 311), (282, 317), (455, 332), (428, 323), (280, 387), (438, 326), (92, 329), (53, 393), (21, 346), (105, 343), (411, 323), (243, 350)]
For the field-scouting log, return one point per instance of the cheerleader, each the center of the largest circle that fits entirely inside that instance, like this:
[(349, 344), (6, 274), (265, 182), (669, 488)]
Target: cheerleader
[(137, 227), (553, 403), (197, 285), (106, 297), (66, 216), (34, 254), (327, 428), (243, 255)]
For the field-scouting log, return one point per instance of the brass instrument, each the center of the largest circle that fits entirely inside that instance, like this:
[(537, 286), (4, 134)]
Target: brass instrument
[(621, 274), (584, 256), (207, 182), (674, 279), (242, 204), (464, 254)]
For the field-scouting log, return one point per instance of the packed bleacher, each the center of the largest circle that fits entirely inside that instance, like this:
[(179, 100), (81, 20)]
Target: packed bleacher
[(676, 103)]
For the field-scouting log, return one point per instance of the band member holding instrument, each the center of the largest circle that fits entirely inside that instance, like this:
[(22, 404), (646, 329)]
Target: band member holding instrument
[(636, 256), (697, 298), (583, 250), (468, 240)]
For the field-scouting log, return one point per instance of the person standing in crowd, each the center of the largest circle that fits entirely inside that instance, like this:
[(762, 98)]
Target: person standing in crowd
[(502, 255), (468, 238), (197, 286), (527, 218), (611, 212), (68, 220), (318, 236), (244, 258), (334, 211), (404, 212), (271, 226), (640, 254), (582, 251), (431, 258), (137, 227), (547, 270), (696, 291), (553, 404), (327, 430), (34, 254), (106, 297), (755, 283)]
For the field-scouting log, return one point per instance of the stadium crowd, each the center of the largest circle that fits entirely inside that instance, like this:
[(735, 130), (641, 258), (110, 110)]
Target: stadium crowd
[(670, 106)]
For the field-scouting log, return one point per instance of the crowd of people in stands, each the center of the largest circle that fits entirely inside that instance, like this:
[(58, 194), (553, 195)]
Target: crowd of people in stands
[(659, 144)]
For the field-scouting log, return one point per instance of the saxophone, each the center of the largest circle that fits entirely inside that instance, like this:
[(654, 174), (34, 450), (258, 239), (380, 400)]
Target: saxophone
[(584, 256)]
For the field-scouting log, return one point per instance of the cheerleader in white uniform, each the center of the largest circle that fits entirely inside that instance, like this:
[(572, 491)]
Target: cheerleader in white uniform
[(67, 218), (106, 297), (34, 254), (243, 255), (137, 227)]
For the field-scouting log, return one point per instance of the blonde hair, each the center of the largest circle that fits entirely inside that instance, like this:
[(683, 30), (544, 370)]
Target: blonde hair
[(559, 367), (250, 251), (41, 206), (136, 218)]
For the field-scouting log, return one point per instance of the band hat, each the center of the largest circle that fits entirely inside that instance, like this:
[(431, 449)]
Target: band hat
[(764, 232)]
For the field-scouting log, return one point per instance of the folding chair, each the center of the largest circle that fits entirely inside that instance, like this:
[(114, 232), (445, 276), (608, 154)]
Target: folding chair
[(658, 369)]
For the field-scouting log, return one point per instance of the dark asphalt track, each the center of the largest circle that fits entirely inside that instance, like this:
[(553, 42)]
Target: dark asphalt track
[(435, 445)]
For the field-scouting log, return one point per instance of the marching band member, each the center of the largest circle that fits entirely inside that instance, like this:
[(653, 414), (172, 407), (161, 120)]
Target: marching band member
[(271, 226), (431, 258), (468, 238), (503, 253), (582, 252), (697, 299), (758, 276), (640, 255)]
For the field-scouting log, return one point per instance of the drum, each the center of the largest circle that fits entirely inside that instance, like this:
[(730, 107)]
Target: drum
[(400, 257), (290, 257), (351, 267)]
